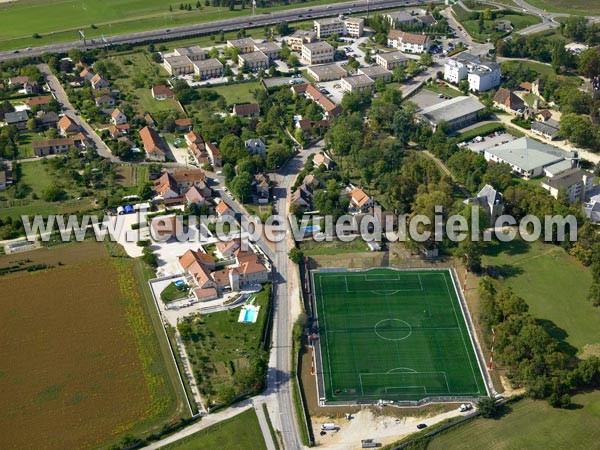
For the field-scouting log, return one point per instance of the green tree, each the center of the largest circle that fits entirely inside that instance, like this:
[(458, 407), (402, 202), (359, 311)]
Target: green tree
[(487, 407), (296, 255)]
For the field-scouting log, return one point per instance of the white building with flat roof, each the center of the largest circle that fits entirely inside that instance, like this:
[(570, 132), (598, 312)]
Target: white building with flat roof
[(357, 83), (482, 75), (527, 157)]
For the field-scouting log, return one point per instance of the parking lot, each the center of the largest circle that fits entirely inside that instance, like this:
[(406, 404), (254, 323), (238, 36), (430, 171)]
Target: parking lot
[(498, 138), (425, 99)]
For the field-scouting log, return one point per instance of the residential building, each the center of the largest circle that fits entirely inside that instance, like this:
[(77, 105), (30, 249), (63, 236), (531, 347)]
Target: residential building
[(118, 117), (244, 45), (408, 42), (527, 157), (325, 72), (324, 160), (223, 210), (194, 52), (256, 147), (166, 227), (403, 17), (329, 26), (491, 201), (104, 101), (391, 60), (375, 72), (262, 187), (271, 49), (575, 183), (154, 145), (183, 124), (17, 81), (300, 37), (253, 61), (3, 179), (214, 155), (317, 53), (67, 126), (356, 83), (86, 74), (196, 196), (508, 100), (457, 112), (162, 92), (558, 168), (360, 202), (173, 186), (47, 119), (484, 76), (330, 109), (481, 75), (98, 82), (549, 129), (302, 197), (197, 146), (17, 119), (52, 146), (354, 26), (543, 115), (179, 65), (32, 87), (209, 68), (41, 102), (246, 110), (351, 26)]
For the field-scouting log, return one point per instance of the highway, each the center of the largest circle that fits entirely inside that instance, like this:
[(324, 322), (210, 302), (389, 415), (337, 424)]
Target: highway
[(238, 23)]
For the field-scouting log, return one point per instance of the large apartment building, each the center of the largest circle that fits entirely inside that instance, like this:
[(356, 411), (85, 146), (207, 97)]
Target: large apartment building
[(351, 26), (317, 53), (481, 75)]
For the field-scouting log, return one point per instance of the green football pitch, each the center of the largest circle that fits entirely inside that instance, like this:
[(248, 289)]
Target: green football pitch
[(393, 335)]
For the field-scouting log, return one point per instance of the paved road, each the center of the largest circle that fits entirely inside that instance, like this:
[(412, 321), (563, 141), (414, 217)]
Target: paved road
[(235, 24), (61, 96)]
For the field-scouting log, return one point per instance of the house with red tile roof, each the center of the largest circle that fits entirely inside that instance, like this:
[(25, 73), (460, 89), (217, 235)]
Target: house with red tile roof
[(154, 144)]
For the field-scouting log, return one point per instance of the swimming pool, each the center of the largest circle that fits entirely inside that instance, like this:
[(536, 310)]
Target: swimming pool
[(249, 314)]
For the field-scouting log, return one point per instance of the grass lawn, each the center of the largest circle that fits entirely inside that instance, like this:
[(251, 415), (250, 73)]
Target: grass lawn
[(583, 7), (60, 22), (482, 130), (530, 424), (519, 21), (37, 178), (313, 248), (554, 285), (134, 64), (539, 68), (219, 346), (26, 141), (237, 93), (241, 432), (444, 90), (172, 293)]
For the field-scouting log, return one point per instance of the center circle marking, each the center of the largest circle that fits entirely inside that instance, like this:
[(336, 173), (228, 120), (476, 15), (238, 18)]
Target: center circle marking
[(382, 324)]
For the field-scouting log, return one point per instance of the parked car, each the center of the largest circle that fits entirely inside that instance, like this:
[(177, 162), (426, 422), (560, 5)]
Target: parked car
[(421, 426)]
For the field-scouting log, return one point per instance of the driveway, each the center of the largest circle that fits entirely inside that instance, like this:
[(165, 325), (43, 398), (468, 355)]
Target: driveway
[(61, 96)]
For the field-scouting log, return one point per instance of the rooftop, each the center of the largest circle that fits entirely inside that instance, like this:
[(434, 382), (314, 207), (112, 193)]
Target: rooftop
[(358, 80), (374, 71), (211, 63), (568, 178), (253, 57), (528, 153), (317, 46), (452, 109), (393, 56), (178, 60), (332, 70)]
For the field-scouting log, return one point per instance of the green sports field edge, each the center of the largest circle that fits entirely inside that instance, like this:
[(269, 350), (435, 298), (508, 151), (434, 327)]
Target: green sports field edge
[(394, 336)]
